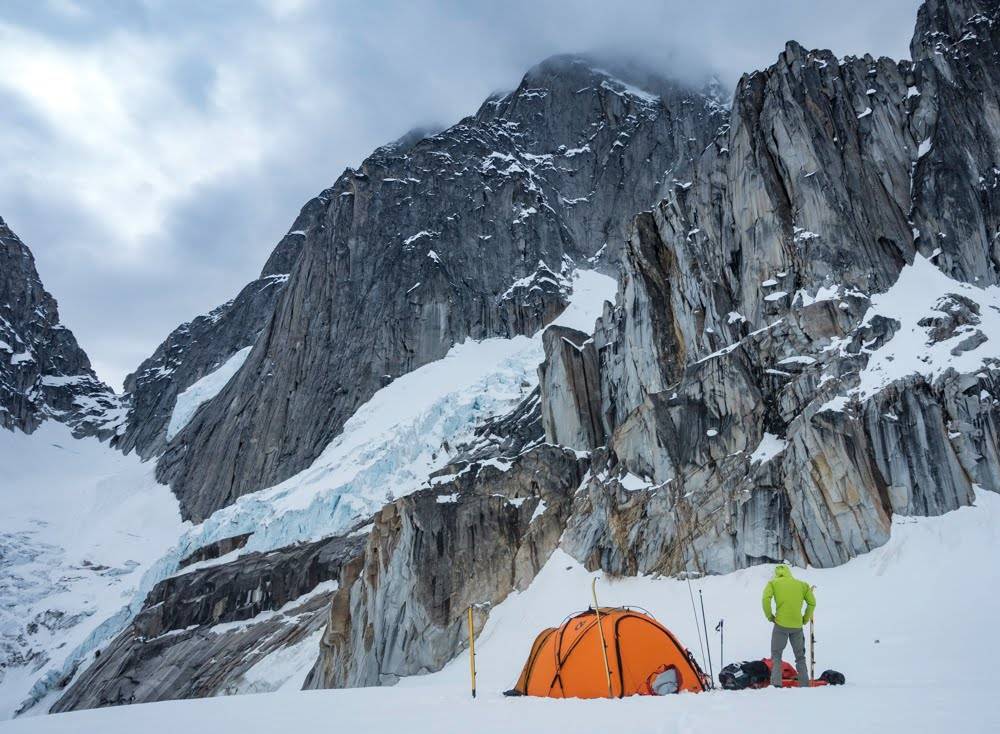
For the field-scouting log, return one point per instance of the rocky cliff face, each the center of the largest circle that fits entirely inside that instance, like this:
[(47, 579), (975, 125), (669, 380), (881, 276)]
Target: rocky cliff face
[(570, 391), (43, 371), (469, 233), (470, 541), (201, 631), (801, 346), (199, 347)]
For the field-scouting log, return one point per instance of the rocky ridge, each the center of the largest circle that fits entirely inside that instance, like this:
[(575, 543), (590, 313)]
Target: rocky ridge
[(470, 233), (764, 390), (43, 371), (802, 347), (202, 630)]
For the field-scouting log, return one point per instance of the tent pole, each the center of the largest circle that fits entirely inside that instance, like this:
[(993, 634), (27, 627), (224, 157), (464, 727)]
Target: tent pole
[(708, 647), (600, 632), (472, 653), (697, 627)]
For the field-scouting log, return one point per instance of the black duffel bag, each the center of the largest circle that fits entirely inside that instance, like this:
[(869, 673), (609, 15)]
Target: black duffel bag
[(748, 674)]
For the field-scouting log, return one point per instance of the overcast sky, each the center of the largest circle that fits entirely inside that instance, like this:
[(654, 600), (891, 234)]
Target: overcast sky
[(155, 151)]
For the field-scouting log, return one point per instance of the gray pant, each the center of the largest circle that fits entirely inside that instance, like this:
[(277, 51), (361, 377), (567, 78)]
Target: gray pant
[(780, 636)]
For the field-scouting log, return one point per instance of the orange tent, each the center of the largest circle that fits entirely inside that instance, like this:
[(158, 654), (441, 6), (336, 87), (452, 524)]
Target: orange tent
[(567, 661)]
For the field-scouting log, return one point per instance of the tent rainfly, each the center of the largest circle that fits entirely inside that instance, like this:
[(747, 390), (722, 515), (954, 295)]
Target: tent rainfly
[(643, 657)]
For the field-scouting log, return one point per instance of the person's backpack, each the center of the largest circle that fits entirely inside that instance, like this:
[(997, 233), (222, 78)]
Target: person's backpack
[(748, 674)]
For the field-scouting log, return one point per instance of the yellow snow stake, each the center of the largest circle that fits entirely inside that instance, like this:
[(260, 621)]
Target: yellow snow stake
[(600, 632), (472, 653)]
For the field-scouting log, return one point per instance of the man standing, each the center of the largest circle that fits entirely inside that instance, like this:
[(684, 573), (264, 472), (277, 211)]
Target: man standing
[(788, 594)]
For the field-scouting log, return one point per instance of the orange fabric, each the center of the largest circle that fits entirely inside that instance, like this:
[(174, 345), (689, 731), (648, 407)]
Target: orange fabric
[(790, 676), (566, 662)]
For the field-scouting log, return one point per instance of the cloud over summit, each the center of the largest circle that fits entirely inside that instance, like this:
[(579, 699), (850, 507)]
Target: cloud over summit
[(156, 151)]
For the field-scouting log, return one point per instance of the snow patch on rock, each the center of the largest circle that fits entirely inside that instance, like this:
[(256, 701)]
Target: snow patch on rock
[(203, 390)]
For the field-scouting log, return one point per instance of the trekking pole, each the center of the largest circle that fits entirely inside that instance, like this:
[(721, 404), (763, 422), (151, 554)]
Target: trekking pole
[(711, 672), (721, 629), (600, 632), (472, 653), (812, 645)]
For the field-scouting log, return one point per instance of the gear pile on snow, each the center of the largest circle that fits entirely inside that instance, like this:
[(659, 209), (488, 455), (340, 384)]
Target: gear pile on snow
[(757, 674)]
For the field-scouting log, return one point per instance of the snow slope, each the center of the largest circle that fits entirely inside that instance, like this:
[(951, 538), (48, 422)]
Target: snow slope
[(921, 296), (81, 523), (393, 442), (910, 624)]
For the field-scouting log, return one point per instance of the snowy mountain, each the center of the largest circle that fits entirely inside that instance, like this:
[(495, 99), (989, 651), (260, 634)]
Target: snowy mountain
[(43, 372), (437, 396), (470, 233)]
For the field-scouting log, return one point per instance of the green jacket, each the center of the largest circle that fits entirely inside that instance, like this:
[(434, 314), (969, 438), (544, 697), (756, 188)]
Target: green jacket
[(788, 594)]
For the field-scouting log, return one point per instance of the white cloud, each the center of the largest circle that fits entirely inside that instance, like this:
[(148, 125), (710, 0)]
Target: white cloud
[(155, 152)]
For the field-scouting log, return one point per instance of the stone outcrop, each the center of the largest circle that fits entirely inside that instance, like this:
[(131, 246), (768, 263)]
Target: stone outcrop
[(570, 390), (43, 371), (200, 346), (201, 630), (470, 541), (469, 233), (748, 385)]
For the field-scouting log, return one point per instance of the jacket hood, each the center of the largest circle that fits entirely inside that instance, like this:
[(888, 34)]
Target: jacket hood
[(781, 571)]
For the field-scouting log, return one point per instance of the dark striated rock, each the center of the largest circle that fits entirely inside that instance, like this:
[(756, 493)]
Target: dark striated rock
[(201, 346), (956, 176), (401, 609), (201, 630), (467, 234), (215, 550), (43, 371), (570, 390)]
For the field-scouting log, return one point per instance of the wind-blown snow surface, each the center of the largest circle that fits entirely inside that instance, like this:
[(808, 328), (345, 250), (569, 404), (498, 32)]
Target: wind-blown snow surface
[(81, 523), (910, 624)]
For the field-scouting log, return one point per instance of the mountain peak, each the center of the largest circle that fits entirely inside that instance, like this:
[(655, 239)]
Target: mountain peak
[(43, 371)]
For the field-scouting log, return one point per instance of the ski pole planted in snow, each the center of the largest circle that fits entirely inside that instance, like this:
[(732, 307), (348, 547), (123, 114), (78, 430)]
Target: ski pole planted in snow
[(720, 628), (600, 633), (472, 653)]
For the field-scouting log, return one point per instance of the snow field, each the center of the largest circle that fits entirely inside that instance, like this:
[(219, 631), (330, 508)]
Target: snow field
[(82, 522), (203, 390), (909, 624), (104, 501)]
